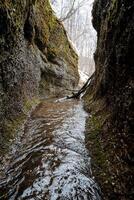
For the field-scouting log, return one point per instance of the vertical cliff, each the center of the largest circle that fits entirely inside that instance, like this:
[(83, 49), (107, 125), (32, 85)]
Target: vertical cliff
[(110, 98), (36, 58)]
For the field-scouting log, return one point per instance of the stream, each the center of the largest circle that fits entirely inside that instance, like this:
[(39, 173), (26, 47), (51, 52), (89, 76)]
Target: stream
[(49, 160)]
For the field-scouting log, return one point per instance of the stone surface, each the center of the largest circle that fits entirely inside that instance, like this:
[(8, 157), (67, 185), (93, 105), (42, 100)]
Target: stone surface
[(110, 98), (36, 57)]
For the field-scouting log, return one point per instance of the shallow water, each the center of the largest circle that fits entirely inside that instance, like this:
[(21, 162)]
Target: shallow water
[(49, 160)]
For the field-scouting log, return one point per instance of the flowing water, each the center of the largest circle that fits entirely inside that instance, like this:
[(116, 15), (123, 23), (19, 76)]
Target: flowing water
[(49, 160)]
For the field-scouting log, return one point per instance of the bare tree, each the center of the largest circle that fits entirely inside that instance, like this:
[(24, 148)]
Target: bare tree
[(76, 16), (71, 9)]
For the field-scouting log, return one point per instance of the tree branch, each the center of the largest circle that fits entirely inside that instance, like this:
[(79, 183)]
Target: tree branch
[(82, 90)]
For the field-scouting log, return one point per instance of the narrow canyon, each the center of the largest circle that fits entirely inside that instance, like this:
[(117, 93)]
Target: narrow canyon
[(54, 147)]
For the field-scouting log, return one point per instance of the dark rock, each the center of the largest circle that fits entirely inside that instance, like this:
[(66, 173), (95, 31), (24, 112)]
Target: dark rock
[(111, 96)]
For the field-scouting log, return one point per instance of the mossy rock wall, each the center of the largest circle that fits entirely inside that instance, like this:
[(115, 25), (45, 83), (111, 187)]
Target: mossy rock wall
[(36, 57), (110, 98)]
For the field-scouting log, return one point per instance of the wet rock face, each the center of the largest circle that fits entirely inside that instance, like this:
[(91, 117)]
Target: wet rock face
[(114, 59), (111, 93), (35, 54)]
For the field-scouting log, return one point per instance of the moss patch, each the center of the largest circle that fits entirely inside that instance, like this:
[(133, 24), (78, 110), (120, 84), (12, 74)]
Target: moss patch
[(94, 142), (11, 127), (52, 35), (107, 152)]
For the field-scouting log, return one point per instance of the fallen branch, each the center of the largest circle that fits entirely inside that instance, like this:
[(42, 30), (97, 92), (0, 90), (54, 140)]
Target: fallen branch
[(71, 90), (82, 90)]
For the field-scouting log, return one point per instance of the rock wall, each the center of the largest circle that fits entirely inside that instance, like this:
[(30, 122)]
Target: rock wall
[(35, 58), (110, 98)]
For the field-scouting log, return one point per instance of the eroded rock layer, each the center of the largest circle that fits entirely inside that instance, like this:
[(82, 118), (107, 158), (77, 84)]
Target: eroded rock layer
[(35, 57)]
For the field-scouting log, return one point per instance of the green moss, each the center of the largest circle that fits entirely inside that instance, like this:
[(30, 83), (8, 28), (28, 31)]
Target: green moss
[(94, 144), (95, 124), (113, 11), (13, 15), (98, 141), (94, 135), (54, 36), (10, 127), (29, 103)]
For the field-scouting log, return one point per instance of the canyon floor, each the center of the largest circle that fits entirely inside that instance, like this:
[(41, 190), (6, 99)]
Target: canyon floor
[(48, 159)]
